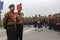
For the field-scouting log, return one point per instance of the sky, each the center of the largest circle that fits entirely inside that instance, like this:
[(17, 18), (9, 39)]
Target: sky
[(32, 7)]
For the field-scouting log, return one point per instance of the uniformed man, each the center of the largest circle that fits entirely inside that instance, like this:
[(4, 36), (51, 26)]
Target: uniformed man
[(29, 22), (56, 20), (19, 21), (9, 23), (39, 23), (45, 21), (35, 23), (50, 21)]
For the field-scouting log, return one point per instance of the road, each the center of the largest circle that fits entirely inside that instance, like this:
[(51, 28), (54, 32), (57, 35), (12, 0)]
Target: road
[(30, 34)]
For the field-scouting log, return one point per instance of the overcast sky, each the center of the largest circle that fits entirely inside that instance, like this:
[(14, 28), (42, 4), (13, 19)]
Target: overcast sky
[(32, 7)]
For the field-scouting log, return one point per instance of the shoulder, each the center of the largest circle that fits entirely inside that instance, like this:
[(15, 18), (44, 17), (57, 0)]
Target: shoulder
[(6, 14)]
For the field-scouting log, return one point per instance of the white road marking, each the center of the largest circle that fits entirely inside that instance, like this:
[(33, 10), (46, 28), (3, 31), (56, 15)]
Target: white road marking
[(4, 38)]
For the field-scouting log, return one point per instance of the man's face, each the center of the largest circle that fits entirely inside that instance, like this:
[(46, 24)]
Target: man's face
[(19, 9), (12, 8)]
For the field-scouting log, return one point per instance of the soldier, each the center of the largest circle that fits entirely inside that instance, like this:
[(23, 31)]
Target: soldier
[(9, 23), (39, 23), (29, 22), (59, 23), (19, 21), (35, 22), (50, 21), (56, 20), (45, 21)]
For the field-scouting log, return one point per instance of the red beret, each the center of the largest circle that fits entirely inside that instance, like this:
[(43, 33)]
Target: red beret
[(19, 5)]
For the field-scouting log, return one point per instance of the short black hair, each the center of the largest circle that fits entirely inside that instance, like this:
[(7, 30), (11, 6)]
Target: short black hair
[(12, 5)]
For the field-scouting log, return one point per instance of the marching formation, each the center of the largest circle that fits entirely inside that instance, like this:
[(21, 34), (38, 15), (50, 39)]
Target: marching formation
[(50, 21)]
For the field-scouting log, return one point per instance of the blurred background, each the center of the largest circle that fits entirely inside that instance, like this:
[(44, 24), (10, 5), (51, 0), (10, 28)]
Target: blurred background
[(32, 7)]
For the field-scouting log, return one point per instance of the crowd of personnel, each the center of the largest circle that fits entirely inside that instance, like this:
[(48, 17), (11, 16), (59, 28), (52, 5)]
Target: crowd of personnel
[(51, 21), (54, 22)]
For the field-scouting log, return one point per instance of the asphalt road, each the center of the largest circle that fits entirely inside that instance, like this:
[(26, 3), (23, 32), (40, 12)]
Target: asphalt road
[(30, 34)]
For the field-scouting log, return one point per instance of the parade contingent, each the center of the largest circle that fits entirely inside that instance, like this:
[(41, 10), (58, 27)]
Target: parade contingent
[(13, 22), (52, 22)]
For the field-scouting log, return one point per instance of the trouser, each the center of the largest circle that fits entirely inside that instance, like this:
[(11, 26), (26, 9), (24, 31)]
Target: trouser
[(11, 32), (59, 28), (45, 24), (20, 31), (50, 25), (39, 25), (55, 27), (35, 24)]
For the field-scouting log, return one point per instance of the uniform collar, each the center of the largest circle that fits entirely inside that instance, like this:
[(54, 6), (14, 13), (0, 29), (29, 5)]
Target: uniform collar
[(11, 12)]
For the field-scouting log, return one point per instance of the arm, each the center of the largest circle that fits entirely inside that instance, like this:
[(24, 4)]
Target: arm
[(5, 21)]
